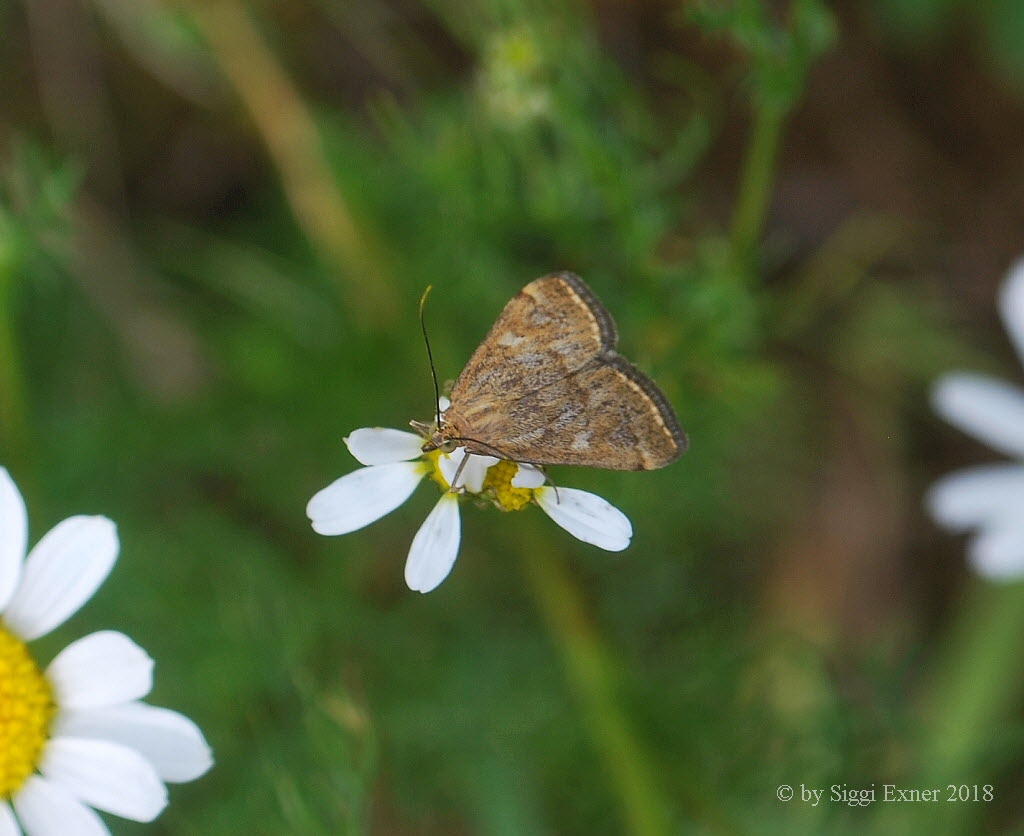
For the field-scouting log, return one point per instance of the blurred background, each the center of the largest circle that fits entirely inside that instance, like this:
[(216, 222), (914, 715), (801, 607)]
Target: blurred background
[(216, 221)]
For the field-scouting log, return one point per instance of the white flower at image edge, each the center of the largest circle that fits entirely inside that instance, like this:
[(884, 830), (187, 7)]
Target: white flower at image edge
[(395, 465), (988, 499), (76, 736)]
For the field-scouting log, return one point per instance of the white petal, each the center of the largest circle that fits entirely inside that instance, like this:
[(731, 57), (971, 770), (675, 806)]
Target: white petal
[(475, 471), (1011, 305), (448, 463), (988, 409), (528, 476), (976, 495), (379, 445), (363, 496), (472, 476), (108, 776), (168, 740), (61, 573), (13, 536), (435, 546), (997, 552), (46, 808), (8, 826), (101, 669), (586, 517)]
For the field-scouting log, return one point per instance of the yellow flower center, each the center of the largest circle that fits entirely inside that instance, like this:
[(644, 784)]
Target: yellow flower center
[(498, 481), (26, 709)]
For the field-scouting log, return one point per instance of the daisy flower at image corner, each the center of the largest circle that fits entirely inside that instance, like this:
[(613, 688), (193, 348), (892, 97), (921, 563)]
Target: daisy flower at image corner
[(394, 465), (988, 500), (76, 735)]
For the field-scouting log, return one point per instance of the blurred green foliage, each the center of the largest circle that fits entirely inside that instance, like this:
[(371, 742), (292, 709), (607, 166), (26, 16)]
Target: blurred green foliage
[(187, 357), (998, 26)]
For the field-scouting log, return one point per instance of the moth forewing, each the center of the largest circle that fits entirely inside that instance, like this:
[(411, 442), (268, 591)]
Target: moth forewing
[(600, 416), (546, 386)]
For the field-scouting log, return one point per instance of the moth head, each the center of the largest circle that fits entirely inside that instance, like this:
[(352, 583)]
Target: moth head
[(437, 437), (446, 445), (439, 440)]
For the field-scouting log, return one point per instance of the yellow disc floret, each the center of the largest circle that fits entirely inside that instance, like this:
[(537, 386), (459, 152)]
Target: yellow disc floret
[(26, 709), (498, 483)]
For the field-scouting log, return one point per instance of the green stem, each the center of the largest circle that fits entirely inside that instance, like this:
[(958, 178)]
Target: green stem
[(977, 686), (286, 123), (756, 180), (13, 412), (590, 672)]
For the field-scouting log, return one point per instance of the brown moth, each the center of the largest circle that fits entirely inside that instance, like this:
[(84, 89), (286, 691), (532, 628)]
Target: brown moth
[(546, 386)]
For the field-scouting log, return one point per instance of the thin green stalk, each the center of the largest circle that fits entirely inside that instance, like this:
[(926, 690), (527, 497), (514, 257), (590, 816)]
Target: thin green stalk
[(13, 410), (756, 181), (590, 674), (980, 676), (286, 124), (978, 684), (977, 687)]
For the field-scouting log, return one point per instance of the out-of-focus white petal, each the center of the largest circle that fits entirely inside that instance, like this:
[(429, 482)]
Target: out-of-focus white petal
[(47, 808), (168, 740), (1011, 305), (8, 826), (13, 536), (976, 495), (363, 496), (107, 775), (528, 476), (586, 517), (380, 445), (997, 551), (101, 669), (988, 409), (473, 474), (435, 546), (62, 573)]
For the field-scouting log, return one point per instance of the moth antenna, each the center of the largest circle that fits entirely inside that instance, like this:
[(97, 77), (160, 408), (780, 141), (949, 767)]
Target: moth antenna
[(547, 480), (554, 487), (501, 453), (507, 457), (430, 355)]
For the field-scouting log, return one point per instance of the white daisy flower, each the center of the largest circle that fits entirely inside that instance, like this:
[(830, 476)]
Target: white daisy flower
[(989, 498), (395, 465), (75, 736)]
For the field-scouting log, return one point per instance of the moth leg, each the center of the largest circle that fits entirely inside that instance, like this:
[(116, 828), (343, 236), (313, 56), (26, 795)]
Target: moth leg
[(453, 488)]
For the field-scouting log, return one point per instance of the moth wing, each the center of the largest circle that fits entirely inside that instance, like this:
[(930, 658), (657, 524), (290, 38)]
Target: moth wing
[(607, 414), (552, 328)]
